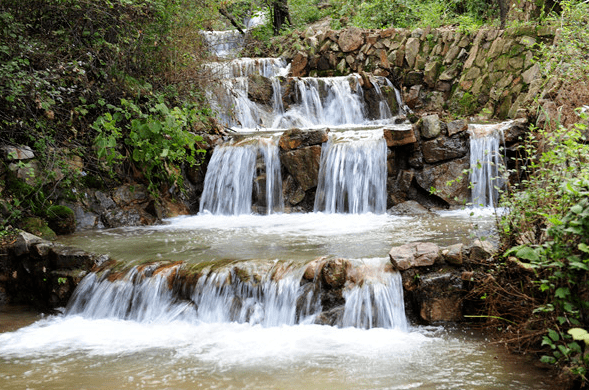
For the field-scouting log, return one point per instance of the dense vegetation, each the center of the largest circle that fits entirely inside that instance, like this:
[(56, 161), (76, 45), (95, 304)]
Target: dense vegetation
[(118, 85)]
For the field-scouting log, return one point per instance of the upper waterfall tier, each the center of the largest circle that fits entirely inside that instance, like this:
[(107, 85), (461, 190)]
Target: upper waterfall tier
[(252, 94)]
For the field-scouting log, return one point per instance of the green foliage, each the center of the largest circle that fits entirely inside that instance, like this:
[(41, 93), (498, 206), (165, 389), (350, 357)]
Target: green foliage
[(549, 217), (159, 141), (65, 65), (410, 13), (553, 167), (568, 59)]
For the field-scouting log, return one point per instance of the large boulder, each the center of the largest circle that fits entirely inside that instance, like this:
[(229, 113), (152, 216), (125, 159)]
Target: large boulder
[(303, 165)]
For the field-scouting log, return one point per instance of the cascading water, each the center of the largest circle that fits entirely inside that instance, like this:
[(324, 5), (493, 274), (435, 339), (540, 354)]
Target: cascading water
[(229, 183), (352, 173), (250, 318), (244, 293), (486, 163)]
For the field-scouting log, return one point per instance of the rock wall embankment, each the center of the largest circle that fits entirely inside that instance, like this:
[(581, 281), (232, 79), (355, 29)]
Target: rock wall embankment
[(490, 72)]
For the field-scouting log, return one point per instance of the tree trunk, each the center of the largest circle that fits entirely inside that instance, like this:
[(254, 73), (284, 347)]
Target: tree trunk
[(281, 15)]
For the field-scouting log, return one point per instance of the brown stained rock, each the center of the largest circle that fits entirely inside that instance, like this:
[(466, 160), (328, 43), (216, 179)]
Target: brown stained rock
[(442, 309), (313, 267), (299, 64), (415, 254), (439, 297), (303, 165), (399, 137), (350, 39), (260, 89), (296, 138), (457, 126), (334, 272)]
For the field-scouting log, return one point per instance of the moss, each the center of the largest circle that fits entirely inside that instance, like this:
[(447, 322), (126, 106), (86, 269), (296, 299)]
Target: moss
[(467, 104), (61, 219), (38, 227)]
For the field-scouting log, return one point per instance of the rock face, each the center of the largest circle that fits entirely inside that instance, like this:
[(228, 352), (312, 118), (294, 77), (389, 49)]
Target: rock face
[(436, 280), (42, 273)]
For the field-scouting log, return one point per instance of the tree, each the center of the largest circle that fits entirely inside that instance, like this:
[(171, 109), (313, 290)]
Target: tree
[(280, 15)]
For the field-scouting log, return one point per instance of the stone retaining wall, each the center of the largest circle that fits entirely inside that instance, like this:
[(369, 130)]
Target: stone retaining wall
[(490, 72)]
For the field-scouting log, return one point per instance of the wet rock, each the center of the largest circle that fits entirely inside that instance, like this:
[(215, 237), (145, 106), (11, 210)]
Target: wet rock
[(331, 317), (260, 89), (401, 137), (439, 297), (297, 138), (334, 272), (436, 178), (415, 254), (303, 165), (299, 64), (445, 148), (410, 207), (312, 268)]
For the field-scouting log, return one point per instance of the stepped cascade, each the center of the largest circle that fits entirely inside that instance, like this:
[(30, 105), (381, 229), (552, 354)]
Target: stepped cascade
[(248, 293)]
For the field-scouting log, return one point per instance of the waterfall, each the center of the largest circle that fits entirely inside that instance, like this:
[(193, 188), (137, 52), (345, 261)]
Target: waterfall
[(229, 181), (242, 292), (329, 101), (223, 43), (352, 173), (486, 163)]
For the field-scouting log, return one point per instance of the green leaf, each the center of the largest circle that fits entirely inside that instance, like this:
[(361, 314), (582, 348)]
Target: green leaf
[(527, 253), (577, 209), (562, 292), (584, 247), (548, 359), (553, 335)]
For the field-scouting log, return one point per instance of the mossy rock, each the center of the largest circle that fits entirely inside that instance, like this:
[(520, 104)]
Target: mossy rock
[(38, 227), (61, 219)]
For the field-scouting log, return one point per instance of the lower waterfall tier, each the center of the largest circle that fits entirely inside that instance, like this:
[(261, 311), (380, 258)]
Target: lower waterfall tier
[(344, 293)]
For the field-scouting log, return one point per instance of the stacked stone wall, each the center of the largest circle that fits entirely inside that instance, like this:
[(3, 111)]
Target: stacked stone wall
[(490, 72)]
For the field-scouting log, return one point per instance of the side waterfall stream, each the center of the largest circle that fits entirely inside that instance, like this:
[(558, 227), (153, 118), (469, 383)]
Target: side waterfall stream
[(249, 320)]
